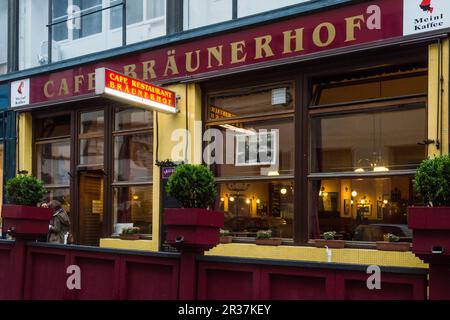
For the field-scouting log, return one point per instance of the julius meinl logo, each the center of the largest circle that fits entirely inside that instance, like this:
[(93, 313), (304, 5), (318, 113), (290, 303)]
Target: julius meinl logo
[(430, 22)]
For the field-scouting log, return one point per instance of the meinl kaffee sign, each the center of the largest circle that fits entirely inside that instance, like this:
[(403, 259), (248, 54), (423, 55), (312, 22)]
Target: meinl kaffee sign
[(301, 36), (425, 15)]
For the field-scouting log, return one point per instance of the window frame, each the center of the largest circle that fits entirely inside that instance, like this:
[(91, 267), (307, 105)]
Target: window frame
[(121, 184), (312, 110), (259, 117)]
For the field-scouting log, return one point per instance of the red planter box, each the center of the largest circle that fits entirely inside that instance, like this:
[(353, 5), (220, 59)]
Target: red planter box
[(431, 231), (193, 228), (29, 222)]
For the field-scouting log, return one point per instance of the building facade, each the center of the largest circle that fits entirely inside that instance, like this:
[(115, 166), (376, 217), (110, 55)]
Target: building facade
[(313, 115)]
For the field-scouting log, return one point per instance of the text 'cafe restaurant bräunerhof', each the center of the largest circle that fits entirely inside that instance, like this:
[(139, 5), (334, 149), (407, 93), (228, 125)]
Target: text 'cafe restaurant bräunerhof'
[(347, 102)]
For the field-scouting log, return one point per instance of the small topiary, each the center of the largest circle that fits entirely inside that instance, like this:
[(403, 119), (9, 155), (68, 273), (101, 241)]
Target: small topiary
[(389, 237), (132, 230), (193, 186), (432, 181), (330, 235), (264, 234), (25, 190)]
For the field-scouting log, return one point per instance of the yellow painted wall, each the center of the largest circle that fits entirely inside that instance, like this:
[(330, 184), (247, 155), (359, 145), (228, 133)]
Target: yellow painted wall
[(433, 97), (348, 256), (24, 142)]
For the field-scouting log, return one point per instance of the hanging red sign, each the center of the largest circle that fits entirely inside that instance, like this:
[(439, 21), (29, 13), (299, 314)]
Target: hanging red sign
[(133, 91)]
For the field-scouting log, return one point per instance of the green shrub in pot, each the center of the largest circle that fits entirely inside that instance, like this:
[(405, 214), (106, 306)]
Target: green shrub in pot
[(193, 186), (25, 190), (432, 181)]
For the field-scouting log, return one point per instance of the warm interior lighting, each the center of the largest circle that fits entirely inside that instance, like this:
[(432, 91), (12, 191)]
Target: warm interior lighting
[(222, 199), (273, 173), (283, 191), (380, 169), (247, 201), (359, 170), (354, 193), (135, 197), (352, 202), (385, 202), (258, 201), (363, 201), (232, 199)]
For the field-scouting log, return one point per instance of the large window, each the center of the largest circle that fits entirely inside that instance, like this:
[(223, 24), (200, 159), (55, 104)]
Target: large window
[(81, 27), (133, 168), (366, 140), (3, 36), (52, 149), (199, 13), (251, 152)]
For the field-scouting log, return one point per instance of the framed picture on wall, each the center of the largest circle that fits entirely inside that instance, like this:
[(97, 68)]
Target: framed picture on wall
[(364, 210), (347, 208), (328, 202), (380, 209), (257, 148)]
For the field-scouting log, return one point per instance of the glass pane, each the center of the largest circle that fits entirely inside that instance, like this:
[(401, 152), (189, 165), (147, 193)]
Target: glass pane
[(133, 159), (251, 101), (200, 13), (60, 194), (361, 209), (135, 13), (132, 118), (92, 122), (155, 9), (253, 206), (373, 90), (53, 162), (3, 36), (133, 205), (381, 141), (33, 40), (236, 148), (53, 127), (92, 23), (60, 16), (250, 7), (91, 151)]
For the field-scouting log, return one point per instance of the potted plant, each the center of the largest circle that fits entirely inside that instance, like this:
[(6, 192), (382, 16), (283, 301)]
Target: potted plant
[(130, 233), (431, 222), (225, 236), (264, 237), (329, 241), (392, 243), (193, 225), (22, 217)]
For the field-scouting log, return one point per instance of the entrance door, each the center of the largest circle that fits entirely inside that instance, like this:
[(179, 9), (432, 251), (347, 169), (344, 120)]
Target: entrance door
[(90, 207)]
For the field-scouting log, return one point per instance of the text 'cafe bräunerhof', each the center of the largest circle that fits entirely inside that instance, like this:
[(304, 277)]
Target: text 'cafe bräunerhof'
[(345, 102)]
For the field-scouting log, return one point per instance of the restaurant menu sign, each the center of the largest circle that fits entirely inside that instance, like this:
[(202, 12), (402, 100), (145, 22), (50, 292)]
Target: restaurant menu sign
[(126, 89), (299, 37)]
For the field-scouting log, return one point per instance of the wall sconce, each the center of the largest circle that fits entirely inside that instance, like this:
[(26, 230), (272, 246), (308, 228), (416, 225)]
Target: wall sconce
[(322, 189), (354, 193), (283, 191), (231, 199)]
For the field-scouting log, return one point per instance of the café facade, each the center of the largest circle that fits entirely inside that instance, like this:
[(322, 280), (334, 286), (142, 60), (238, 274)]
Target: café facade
[(344, 102)]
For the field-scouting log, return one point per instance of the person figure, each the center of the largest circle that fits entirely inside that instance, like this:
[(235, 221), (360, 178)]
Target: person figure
[(60, 223)]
